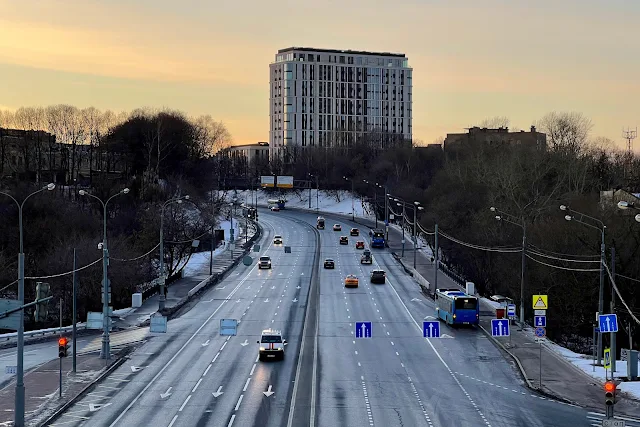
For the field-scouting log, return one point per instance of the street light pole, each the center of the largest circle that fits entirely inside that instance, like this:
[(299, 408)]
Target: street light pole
[(162, 300), (416, 207), (353, 208), (602, 229), (19, 389), (503, 217), (105, 351), (404, 214)]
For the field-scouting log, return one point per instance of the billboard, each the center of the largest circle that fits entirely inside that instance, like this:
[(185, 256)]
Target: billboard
[(284, 182), (267, 181)]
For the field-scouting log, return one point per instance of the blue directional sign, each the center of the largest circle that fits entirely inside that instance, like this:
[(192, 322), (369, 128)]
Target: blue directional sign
[(608, 322), (229, 327), (511, 310), (500, 327), (540, 332), (431, 329), (363, 329), (540, 321)]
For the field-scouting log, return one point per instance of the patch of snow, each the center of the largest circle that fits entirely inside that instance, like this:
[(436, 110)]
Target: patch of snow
[(492, 303), (199, 262), (123, 311)]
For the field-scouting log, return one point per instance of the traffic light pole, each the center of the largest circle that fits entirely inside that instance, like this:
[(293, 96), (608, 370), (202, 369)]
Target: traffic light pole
[(22, 307)]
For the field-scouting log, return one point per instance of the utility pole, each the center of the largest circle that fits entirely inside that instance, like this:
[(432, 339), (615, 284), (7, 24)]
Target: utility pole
[(613, 310), (435, 268), (75, 293), (522, 267)]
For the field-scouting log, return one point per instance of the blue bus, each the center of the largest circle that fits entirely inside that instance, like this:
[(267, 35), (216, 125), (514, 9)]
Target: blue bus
[(456, 307), (376, 238)]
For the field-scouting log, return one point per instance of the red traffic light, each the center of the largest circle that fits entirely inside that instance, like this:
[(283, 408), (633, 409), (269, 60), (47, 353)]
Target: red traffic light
[(62, 341), (609, 386)]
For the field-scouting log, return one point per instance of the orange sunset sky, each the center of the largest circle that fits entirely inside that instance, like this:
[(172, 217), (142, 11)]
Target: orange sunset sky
[(472, 59)]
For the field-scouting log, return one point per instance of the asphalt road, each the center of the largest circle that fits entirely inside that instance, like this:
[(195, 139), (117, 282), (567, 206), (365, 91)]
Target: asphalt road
[(192, 376), (398, 378)]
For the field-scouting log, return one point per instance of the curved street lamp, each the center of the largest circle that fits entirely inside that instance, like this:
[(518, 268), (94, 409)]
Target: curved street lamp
[(105, 351), (19, 398)]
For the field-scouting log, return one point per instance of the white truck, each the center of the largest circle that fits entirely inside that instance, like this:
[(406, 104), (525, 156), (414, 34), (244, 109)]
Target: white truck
[(271, 345)]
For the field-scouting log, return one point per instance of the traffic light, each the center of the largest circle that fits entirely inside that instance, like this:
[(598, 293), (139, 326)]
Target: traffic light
[(610, 393), (43, 290), (63, 346)]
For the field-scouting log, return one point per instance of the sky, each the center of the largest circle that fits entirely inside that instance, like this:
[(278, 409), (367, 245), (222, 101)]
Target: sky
[(472, 59)]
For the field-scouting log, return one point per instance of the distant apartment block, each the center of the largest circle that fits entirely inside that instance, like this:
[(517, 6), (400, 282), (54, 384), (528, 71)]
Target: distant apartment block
[(327, 98), (251, 152), (476, 135)]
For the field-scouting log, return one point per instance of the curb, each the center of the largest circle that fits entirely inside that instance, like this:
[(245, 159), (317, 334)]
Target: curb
[(115, 365), (170, 312)]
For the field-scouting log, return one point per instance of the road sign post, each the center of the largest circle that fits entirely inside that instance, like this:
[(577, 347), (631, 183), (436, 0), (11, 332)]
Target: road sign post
[(540, 321), (431, 329), (363, 329), (500, 328), (540, 302), (229, 327)]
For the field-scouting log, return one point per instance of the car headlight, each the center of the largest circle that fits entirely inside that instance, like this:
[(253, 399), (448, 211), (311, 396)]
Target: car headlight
[(262, 349)]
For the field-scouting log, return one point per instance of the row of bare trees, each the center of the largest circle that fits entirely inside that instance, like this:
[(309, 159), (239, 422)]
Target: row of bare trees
[(90, 127)]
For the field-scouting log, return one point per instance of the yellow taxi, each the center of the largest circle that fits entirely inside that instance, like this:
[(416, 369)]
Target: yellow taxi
[(351, 281)]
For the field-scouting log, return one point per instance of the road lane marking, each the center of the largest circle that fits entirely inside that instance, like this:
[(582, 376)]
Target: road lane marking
[(233, 417), (246, 384), (184, 403), (239, 401), (173, 420), (252, 369), (196, 386)]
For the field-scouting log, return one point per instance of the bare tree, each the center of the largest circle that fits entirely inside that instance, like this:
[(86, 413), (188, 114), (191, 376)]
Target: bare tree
[(566, 131), (210, 136), (66, 123), (495, 122)]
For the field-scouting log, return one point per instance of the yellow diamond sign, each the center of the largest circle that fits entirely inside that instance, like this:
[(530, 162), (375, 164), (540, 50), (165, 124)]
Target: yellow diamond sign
[(540, 302)]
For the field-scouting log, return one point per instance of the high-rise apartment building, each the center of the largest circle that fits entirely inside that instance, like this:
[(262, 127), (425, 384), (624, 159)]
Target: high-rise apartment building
[(324, 97)]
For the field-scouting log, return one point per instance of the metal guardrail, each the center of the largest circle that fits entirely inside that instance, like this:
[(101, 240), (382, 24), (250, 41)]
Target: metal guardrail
[(42, 332)]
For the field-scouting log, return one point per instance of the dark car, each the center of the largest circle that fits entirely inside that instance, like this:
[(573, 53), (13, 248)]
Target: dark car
[(329, 263), (354, 232), (378, 276), (344, 240)]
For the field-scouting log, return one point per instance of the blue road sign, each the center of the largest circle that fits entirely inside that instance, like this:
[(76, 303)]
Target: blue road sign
[(540, 332), (608, 322), (511, 310), (229, 327), (499, 327), (363, 329), (431, 329), (540, 321)]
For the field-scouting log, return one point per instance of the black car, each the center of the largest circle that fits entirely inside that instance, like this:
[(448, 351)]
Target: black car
[(344, 240), (354, 232), (329, 263), (378, 276)]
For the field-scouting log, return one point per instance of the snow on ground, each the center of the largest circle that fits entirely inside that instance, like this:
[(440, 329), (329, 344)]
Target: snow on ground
[(226, 226), (199, 261), (585, 363), (340, 202)]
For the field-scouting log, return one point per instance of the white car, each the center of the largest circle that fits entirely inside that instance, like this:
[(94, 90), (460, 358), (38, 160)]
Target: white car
[(277, 239), (271, 345), (264, 262)]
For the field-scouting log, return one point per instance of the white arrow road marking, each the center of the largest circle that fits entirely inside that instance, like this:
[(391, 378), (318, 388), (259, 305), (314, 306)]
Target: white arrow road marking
[(244, 343), (218, 393), (415, 299), (206, 343), (273, 287), (267, 300), (166, 393), (297, 287), (302, 274), (295, 300), (280, 274), (268, 392), (445, 336), (93, 407), (221, 288), (238, 300), (136, 368), (429, 317)]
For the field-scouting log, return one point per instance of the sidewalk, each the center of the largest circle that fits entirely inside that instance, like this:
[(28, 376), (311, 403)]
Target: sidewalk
[(42, 383), (560, 378)]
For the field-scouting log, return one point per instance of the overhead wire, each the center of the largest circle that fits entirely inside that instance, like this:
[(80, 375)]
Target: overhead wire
[(582, 270), (560, 259), (562, 254), (52, 276), (624, 303), (479, 247)]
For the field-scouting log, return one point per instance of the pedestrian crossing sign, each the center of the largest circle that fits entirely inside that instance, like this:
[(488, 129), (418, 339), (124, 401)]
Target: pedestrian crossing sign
[(540, 302)]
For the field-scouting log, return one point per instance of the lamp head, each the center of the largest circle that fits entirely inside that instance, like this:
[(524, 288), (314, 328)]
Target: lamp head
[(125, 191), (82, 193), (568, 217), (51, 186), (563, 208), (492, 209)]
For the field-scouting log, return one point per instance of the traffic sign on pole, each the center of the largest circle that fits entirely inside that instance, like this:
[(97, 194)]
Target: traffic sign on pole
[(607, 358), (363, 330), (500, 328), (608, 322), (431, 329), (540, 321), (540, 302), (511, 310), (540, 332)]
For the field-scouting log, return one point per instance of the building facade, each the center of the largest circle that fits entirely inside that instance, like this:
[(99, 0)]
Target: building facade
[(328, 98), (258, 152), (476, 135)]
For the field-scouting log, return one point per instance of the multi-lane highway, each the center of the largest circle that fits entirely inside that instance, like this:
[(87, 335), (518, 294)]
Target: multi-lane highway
[(192, 376)]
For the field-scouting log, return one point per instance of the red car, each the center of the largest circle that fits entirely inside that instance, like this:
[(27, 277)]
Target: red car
[(359, 244)]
